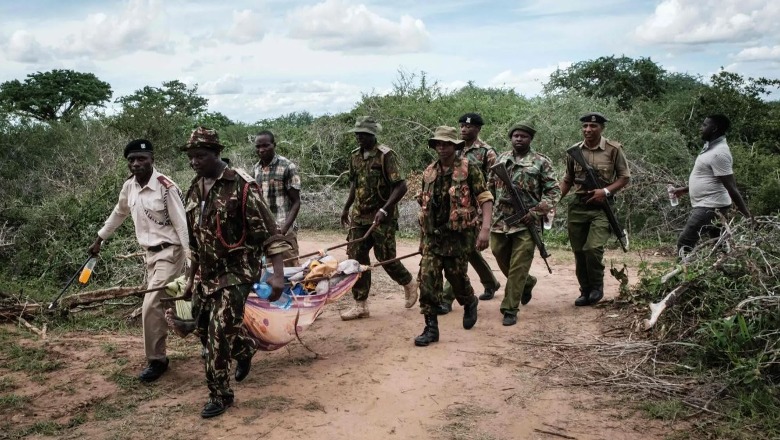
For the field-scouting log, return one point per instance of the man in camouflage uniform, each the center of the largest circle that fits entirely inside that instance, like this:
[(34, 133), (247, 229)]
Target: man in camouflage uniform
[(512, 245), (376, 186), (483, 156), (588, 226), (230, 228), (453, 189)]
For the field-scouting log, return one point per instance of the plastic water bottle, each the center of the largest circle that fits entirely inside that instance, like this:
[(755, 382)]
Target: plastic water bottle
[(548, 219), (672, 197), (263, 290), (87, 271)]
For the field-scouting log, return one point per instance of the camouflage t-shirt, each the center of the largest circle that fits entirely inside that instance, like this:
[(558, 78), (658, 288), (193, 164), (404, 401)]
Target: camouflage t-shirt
[(444, 241), (228, 236), (535, 179), (374, 174), (481, 155)]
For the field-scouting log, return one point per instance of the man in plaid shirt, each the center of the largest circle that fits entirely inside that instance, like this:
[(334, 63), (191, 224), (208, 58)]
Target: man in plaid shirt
[(281, 185)]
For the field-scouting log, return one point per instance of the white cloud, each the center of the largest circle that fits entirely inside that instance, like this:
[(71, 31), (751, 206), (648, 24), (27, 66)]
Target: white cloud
[(762, 53), (248, 27), (340, 26), (225, 85), (529, 82), (710, 21), (23, 47)]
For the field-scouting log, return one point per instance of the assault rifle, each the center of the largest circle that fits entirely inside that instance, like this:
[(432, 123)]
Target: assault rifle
[(592, 182), (500, 171)]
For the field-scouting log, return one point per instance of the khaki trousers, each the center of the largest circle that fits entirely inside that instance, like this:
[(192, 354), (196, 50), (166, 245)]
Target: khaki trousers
[(161, 268)]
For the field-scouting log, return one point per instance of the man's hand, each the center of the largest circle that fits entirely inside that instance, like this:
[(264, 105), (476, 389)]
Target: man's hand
[(276, 281), (483, 239), (345, 218), (597, 196), (679, 192), (94, 249), (379, 217), (530, 219), (187, 293)]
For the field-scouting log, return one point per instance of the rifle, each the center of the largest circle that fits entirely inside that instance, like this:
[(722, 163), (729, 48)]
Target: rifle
[(591, 182), (500, 171)]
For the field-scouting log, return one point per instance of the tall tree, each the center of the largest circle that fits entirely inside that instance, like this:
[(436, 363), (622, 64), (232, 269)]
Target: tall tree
[(174, 97), (54, 95)]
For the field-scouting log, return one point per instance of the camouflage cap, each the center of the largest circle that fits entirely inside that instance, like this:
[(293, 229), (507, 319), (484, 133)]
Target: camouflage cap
[(367, 124), (594, 117), (205, 138), (446, 134), (525, 126)]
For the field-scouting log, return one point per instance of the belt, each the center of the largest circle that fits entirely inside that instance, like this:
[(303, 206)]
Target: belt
[(159, 247)]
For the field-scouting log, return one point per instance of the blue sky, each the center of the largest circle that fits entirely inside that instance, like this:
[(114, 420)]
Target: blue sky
[(260, 59)]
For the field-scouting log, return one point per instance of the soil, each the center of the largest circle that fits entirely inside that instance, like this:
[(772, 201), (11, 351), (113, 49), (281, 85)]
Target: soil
[(368, 381)]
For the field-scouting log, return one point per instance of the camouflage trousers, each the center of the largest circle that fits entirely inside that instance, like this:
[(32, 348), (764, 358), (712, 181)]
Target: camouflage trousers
[(514, 254), (484, 271), (589, 232), (220, 317), (382, 239), (455, 269)]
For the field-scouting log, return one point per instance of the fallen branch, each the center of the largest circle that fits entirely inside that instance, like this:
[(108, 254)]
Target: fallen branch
[(93, 296), (32, 328)]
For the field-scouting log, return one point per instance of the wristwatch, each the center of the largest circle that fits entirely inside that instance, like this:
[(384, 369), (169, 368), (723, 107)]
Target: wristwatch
[(606, 192)]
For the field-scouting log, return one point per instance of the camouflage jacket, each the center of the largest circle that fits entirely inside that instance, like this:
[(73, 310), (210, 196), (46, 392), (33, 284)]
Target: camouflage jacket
[(374, 177), (436, 222), (230, 229), (534, 177), (481, 155)]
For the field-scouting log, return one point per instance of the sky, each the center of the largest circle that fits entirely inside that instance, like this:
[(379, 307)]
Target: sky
[(261, 59)]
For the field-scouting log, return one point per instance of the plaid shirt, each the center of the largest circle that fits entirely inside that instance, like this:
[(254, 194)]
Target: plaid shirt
[(275, 180)]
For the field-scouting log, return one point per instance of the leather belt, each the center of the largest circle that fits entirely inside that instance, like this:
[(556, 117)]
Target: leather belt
[(159, 247)]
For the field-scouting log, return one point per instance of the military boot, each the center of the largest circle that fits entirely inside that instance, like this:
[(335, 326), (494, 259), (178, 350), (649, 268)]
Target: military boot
[(583, 299), (489, 293), (470, 314), (430, 332), (359, 311), (525, 298), (410, 293), (596, 293)]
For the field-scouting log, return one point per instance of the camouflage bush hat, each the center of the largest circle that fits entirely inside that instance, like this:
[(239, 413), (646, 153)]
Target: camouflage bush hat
[(205, 138), (138, 145), (446, 134), (525, 126), (367, 124)]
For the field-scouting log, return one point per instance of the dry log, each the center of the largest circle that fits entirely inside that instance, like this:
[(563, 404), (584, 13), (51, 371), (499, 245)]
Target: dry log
[(90, 297)]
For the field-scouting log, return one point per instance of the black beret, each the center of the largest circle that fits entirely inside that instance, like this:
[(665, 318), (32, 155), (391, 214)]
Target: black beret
[(472, 118), (137, 145), (594, 117)]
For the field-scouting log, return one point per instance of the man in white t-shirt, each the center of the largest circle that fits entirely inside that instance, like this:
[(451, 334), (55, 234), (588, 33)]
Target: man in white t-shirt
[(711, 185)]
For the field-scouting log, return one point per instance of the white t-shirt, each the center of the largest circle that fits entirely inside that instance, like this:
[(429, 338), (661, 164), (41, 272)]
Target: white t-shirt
[(704, 187)]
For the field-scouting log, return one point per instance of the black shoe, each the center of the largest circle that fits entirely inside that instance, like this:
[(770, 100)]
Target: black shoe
[(525, 298), (470, 314), (153, 370), (242, 369), (443, 309), (430, 332), (596, 294), (216, 406), (583, 299), (510, 319), (489, 293)]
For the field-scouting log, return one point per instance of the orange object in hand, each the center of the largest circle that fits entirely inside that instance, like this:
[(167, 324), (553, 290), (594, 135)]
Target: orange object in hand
[(87, 271)]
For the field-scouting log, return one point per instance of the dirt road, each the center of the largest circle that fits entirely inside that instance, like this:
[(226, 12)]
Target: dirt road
[(369, 381)]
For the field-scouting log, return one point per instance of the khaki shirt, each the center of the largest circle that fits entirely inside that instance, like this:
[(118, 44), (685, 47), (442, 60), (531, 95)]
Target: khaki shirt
[(607, 159), (147, 205)]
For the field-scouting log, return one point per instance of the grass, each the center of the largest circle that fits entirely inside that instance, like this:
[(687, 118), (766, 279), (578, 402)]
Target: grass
[(115, 410), (462, 422), (13, 402), (270, 403), (7, 384), (314, 405), (28, 359), (671, 409)]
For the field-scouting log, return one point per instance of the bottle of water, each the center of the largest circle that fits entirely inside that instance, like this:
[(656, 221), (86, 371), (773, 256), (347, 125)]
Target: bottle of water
[(263, 290), (87, 271), (672, 197), (548, 219)]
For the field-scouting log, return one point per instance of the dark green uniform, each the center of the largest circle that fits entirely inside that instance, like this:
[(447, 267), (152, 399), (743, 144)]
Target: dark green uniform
[(229, 232), (445, 248), (512, 245), (374, 175), (483, 156), (588, 226)]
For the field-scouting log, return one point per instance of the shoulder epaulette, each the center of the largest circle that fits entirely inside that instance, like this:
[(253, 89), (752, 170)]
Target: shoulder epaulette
[(166, 182), (244, 175), (615, 144), (355, 150), (384, 149)]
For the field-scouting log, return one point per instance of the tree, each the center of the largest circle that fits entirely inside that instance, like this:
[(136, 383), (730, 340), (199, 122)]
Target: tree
[(174, 97), (55, 95), (624, 79)]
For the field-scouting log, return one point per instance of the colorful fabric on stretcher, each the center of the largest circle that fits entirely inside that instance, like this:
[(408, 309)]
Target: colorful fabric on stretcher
[(271, 328)]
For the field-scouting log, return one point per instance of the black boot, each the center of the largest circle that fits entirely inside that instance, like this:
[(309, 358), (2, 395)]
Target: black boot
[(430, 332), (242, 368), (470, 314), (444, 308), (583, 299), (596, 293)]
